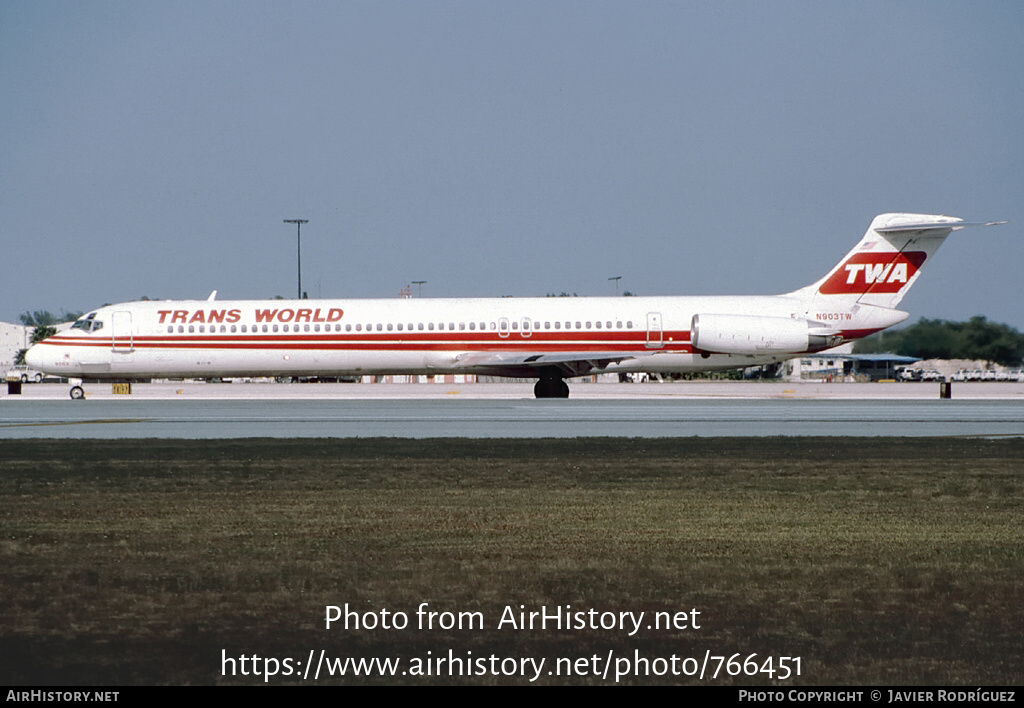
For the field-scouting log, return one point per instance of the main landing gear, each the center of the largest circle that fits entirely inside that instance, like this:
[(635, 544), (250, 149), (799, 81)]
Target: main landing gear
[(551, 385)]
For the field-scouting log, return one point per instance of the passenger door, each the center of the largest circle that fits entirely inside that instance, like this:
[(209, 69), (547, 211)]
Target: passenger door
[(655, 335), (122, 337)]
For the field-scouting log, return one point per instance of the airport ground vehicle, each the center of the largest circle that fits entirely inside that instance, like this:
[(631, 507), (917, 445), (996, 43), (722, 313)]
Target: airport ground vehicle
[(24, 374)]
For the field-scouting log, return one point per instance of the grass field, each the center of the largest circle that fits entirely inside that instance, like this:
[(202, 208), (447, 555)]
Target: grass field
[(876, 561)]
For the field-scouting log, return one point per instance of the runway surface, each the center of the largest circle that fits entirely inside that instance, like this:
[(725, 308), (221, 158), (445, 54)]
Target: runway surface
[(195, 410)]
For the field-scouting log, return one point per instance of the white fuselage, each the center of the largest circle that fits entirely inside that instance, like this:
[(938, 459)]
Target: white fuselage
[(401, 336)]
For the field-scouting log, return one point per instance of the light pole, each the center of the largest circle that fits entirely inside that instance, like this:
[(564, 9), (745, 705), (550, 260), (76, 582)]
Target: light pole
[(616, 278), (420, 283), (298, 241)]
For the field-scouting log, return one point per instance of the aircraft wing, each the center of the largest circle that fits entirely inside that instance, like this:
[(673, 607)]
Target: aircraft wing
[(570, 363)]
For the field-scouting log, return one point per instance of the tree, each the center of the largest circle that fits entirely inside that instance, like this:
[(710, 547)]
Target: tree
[(40, 333), (938, 339), (46, 318)]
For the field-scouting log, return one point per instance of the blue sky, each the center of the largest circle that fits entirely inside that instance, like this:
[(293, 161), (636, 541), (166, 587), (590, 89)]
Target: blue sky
[(502, 148)]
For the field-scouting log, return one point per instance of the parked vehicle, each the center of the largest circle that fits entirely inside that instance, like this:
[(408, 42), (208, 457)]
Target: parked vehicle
[(24, 374)]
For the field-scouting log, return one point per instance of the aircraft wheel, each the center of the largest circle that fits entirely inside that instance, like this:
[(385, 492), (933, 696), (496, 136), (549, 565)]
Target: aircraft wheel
[(551, 388), (77, 393)]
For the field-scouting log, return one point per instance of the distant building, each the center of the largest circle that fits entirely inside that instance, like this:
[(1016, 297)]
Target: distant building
[(845, 366), (13, 338)]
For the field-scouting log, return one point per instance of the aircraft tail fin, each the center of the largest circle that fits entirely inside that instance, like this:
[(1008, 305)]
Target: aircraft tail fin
[(886, 262)]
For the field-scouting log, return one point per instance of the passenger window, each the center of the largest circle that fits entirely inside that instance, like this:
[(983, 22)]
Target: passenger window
[(170, 330), (191, 329), (430, 326), (275, 328), (598, 325)]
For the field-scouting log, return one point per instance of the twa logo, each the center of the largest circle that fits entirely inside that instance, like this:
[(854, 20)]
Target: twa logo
[(874, 273)]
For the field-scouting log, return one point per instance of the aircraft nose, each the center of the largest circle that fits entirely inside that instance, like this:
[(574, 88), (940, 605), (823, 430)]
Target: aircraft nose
[(36, 358)]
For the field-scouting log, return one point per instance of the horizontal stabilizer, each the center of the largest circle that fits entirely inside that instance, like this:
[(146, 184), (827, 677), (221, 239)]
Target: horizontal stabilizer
[(933, 226)]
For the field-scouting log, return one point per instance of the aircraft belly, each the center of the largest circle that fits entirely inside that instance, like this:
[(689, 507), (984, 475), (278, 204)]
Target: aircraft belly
[(674, 363)]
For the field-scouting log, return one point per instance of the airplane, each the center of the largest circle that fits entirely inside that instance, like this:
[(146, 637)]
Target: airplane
[(549, 339)]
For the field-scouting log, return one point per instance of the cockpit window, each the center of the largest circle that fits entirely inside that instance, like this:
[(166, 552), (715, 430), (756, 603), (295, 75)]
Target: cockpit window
[(89, 324)]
